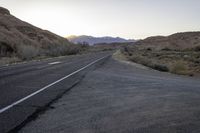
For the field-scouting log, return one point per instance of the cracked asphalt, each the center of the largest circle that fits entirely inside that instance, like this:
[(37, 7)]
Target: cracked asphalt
[(121, 98)]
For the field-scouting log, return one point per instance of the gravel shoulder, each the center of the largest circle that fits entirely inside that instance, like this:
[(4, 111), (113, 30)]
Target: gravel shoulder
[(121, 98)]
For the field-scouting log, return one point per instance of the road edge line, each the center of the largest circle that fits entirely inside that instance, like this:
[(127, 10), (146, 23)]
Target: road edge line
[(49, 85)]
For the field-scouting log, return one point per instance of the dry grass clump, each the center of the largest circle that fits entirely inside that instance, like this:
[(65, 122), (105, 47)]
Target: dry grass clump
[(30, 52), (180, 67), (140, 59), (161, 67), (61, 50), (9, 60), (148, 62), (182, 62)]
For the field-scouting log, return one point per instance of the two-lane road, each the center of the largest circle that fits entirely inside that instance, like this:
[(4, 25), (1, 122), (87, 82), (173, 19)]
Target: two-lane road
[(26, 88), (119, 98)]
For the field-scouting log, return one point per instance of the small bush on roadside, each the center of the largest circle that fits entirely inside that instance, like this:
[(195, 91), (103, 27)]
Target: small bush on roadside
[(147, 62), (149, 49), (166, 49), (84, 45), (178, 67), (181, 68), (160, 67), (9, 60), (71, 50), (61, 50), (127, 50), (197, 48), (141, 60)]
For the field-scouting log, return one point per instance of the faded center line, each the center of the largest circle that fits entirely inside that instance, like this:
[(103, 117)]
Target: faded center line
[(54, 63), (49, 85)]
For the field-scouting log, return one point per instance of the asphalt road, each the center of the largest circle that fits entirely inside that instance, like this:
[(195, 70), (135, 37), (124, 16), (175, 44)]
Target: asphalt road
[(22, 80), (123, 98)]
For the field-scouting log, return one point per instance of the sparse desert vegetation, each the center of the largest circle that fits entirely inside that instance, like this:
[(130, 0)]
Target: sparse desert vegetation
[(22, 41), (178, 53)]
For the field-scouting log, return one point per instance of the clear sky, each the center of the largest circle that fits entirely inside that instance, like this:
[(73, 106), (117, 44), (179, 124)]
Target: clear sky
[(124, 18)]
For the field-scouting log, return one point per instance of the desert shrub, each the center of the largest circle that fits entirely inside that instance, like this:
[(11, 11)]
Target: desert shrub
[(71, 50), (181, 68), (197, 48), (160, 67), (149, 49), (166, 49), (126, 49), (84, 45), (149, 63), (27, 52), (9, 60), (178, 66), (61, 50), (141, 60)]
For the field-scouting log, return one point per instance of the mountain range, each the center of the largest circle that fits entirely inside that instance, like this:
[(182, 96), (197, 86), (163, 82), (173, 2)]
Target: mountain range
[(96, 40)]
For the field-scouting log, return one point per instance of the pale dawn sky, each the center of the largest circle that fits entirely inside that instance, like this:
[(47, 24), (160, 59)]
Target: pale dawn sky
[(124, 18)]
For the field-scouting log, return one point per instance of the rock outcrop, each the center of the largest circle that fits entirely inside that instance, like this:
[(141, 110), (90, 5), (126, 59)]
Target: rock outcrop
[(4, 11)]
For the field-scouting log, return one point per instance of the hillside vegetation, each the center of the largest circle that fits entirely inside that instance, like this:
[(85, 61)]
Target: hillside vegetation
[(178, 53), (22, 41)]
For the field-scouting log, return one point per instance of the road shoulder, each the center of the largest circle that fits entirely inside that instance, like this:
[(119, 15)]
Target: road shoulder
[(121, 98)]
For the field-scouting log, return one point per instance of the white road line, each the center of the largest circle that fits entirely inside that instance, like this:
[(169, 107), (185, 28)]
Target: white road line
[(44, 88), (54, 63), (49, 64)]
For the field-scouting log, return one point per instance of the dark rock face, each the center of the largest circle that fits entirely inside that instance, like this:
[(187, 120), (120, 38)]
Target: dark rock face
[(4, 11), (5, 49)]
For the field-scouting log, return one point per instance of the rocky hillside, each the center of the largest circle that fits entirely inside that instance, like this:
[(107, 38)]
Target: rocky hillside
[(178, 53), (179, 41), (23, 40), (97, 40)]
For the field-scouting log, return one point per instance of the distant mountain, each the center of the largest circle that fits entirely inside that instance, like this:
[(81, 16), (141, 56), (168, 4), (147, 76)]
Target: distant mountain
[(96, 40)]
